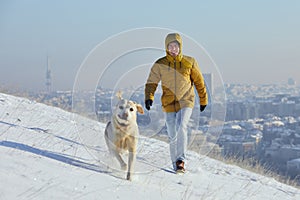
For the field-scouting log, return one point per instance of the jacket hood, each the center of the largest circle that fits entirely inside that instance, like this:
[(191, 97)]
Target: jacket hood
[(171, 38)]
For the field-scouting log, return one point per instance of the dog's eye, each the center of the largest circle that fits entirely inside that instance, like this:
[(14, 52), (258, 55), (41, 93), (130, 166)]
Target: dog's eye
[(131, 109), (121, 107)]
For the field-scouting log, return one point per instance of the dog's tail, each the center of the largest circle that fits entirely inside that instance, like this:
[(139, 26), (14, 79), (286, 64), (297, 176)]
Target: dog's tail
[(119, 94)]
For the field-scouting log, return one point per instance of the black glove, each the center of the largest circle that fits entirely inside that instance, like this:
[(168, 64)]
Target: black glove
[(202, 107), (148, 103)]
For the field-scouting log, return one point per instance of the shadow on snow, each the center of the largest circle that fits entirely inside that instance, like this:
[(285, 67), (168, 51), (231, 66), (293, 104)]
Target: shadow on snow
[(52, 155)]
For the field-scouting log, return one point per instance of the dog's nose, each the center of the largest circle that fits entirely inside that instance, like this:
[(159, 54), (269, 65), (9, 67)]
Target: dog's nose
[(125, 115)]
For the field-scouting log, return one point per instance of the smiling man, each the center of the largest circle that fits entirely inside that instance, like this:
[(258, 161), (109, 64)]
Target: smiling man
[(178, 75)]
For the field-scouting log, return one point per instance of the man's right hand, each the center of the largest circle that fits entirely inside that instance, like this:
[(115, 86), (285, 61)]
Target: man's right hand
[(148, 104)]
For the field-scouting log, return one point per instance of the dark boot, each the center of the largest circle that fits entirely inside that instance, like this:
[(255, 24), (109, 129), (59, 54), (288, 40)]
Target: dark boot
[(180, 166)]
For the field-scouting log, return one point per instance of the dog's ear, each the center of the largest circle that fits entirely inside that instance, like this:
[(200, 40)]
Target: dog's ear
[(119, 95), (139, 108)]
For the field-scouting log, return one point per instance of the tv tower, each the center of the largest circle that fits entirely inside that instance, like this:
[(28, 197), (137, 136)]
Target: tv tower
[(48, 77)]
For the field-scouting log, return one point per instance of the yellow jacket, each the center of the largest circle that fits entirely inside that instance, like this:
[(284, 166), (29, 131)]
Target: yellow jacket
[(178, 77)]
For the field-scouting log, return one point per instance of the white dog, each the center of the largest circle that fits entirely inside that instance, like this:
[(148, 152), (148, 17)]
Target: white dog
[(121, 133)]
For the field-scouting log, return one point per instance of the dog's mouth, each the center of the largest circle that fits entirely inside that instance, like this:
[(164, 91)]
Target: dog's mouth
[(122, 120), (122, 117)]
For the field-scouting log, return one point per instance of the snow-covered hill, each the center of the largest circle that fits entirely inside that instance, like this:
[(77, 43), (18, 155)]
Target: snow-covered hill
[(47, 153)]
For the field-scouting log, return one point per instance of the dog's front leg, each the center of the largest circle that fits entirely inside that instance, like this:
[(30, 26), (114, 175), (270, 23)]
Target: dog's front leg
[(121, 161), (131, 163)]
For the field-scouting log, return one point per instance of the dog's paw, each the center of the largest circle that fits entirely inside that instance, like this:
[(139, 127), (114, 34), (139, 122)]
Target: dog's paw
[(132, 178), (129, 177)]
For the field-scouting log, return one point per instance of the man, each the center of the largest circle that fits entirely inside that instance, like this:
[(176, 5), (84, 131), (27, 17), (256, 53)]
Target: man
[(178, 75)]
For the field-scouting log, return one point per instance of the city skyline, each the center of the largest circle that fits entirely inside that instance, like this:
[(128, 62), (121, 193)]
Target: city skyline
[(251, 43)]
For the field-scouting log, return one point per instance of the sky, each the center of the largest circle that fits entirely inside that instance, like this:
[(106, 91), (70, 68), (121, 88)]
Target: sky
[(251, 42)]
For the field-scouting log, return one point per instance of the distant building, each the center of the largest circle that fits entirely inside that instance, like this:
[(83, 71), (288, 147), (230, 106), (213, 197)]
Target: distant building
[(291, 81), (293, 167), (287, 108), (241, 110), (282, 154), (239, 149), (208, 79)]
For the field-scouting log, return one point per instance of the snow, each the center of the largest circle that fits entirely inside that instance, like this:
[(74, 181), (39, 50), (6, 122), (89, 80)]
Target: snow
[(48, 153), (237, 127)]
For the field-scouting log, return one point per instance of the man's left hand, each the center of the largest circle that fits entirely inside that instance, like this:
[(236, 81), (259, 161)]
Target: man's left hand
[(202, 107)]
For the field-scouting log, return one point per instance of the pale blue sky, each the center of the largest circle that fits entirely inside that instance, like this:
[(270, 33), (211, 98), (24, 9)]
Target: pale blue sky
[(253, 41)]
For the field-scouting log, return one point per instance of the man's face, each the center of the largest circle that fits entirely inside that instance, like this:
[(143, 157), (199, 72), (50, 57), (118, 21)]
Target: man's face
[(173, 48)]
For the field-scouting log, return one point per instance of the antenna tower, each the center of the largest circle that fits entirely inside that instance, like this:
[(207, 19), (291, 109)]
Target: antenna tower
[(48, 77)]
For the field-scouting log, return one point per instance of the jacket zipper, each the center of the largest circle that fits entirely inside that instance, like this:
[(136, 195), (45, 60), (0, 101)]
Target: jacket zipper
[(175, 92)]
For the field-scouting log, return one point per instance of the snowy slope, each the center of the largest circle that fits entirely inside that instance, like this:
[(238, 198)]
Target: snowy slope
[(47, 153)]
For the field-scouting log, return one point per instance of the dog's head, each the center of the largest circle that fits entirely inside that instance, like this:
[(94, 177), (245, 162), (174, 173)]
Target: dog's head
[(126, 111)]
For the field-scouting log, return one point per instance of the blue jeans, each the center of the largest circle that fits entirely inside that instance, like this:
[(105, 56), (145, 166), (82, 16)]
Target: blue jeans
[(177, 131)]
